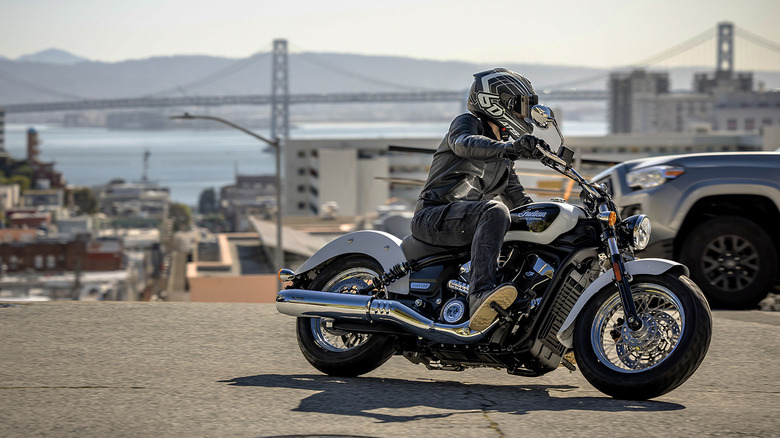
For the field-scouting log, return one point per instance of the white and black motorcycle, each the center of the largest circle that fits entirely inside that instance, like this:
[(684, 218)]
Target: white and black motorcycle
[(638, 328)]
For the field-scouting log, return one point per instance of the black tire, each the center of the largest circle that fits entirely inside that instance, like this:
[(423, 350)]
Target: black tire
[(335, 352), (732, 259), (644, 364)]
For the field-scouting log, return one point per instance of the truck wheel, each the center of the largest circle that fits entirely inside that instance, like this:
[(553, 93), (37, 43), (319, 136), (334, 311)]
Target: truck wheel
[(732, 260)]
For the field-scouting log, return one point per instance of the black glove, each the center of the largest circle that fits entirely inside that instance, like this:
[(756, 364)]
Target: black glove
[(525, 147)]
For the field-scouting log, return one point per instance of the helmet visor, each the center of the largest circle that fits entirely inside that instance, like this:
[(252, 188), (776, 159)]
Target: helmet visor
[(523, 103)]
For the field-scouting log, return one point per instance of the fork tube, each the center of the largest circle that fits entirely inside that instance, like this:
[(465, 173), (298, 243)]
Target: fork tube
[(618, 268)]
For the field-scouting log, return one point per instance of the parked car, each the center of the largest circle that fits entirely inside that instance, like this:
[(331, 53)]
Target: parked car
[(717, 213)]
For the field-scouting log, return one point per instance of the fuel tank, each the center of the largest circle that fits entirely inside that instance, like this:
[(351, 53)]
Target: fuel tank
[(543, 222)]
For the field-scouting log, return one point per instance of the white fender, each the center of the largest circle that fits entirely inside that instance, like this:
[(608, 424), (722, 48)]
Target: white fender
[(383, 247), (634, 267)]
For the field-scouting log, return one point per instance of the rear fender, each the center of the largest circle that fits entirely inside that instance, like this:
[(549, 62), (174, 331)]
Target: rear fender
[(634, 267), (383, 247)]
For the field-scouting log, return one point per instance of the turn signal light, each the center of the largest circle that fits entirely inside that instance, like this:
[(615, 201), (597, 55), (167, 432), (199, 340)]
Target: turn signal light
[(610, 217)]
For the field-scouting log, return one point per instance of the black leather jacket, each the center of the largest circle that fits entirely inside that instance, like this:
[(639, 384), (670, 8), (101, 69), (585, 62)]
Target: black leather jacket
[(470, 165)]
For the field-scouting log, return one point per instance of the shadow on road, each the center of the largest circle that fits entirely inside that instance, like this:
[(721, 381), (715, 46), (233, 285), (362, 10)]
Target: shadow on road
[(386, 399)]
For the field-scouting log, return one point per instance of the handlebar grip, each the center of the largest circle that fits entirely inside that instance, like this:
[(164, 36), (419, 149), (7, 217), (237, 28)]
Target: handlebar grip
[(550, 155)]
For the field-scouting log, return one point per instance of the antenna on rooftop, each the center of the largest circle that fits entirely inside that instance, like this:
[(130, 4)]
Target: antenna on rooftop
[(146, 165)]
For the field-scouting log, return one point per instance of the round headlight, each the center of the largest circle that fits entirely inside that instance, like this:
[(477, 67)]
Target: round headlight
[(641, 233), (635, 231)]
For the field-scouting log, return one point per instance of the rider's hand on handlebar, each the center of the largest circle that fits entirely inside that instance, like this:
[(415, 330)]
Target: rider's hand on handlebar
[(525, 147)]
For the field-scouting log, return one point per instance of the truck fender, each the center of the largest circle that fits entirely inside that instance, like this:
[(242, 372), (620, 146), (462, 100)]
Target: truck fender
[(383, 247), (635, 267)]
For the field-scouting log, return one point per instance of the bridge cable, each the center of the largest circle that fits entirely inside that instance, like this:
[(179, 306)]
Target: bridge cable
[(214, 77), (308, 57), (16, 80), (758, 40), (662, 56)]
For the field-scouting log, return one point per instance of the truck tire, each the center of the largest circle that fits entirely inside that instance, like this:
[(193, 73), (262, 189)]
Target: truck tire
[(732, 260)]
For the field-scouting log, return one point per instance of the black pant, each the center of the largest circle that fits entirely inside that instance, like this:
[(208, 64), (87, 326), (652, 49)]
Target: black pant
[(482, 224)]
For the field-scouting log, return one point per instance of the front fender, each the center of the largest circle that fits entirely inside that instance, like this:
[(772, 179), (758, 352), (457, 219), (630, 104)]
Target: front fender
[(383, 247), (634, 267)]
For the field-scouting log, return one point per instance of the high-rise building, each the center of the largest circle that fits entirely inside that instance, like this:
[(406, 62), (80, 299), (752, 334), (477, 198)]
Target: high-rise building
[(641, 102), (633, 101)]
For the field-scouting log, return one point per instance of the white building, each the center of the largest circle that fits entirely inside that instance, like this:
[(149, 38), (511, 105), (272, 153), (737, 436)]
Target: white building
[(354, 176)]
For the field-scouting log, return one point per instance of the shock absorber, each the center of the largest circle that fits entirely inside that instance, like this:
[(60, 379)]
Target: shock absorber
[(393, 274), (396, 272)]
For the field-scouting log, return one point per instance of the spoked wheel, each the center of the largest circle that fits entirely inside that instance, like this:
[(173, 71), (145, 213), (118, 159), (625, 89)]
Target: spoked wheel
[(337, 352), (658, 357)]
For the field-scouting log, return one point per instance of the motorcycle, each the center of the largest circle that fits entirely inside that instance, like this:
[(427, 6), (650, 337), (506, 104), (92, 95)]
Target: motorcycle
[(637, 328)]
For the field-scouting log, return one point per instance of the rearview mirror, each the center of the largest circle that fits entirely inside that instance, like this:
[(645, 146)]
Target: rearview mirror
[(542, 116)]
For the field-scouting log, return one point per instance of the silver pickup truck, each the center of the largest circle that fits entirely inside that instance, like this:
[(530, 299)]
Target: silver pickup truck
[(717, 213)]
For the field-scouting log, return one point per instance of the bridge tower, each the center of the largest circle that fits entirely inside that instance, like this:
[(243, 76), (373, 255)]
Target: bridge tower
[(726, 47), (280, 92)]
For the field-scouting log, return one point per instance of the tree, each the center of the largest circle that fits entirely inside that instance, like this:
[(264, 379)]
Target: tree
[(85, 201), (21, 180), (208, 201), (181, 215)]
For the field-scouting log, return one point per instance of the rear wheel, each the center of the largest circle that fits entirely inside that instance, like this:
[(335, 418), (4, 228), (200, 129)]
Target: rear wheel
[(661, 355), (338, 352), (732, 259)]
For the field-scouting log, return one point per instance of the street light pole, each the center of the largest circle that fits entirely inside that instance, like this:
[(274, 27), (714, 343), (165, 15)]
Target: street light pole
[(276, 144)]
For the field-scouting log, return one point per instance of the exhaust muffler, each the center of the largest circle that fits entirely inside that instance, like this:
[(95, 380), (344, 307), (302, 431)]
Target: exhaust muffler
[(365, 308)]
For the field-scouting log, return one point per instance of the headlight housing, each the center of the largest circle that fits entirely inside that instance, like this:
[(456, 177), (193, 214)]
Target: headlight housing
[(635, 231), (652, 176)]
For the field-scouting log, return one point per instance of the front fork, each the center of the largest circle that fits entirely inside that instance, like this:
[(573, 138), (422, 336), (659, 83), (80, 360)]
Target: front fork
[(621, 278)]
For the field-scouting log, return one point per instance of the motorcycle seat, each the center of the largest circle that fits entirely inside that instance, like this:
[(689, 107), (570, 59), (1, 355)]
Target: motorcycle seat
[(417, 249)]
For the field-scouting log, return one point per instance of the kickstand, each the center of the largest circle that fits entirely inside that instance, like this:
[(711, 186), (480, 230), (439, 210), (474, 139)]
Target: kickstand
[(501, 312)]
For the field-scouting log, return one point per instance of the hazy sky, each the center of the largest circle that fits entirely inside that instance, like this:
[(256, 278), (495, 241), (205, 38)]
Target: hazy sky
[(601, 33)]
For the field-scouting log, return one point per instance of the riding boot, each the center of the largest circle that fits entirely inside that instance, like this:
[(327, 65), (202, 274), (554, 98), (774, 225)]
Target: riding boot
[(481, 315)]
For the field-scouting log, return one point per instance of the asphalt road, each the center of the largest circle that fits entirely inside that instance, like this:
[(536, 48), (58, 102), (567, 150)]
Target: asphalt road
[(70, 369)]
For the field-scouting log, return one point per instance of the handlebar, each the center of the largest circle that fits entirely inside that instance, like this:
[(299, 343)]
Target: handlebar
[(551, 156), (552, 160)]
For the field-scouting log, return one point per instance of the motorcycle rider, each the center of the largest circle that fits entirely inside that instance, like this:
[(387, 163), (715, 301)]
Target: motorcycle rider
[(472, 183)]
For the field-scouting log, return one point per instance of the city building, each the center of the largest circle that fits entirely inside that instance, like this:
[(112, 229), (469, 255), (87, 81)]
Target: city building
[(641, 102), (58, 254), (350, 177), (134, 204), (251, 195), (10, 194), (633, 106)]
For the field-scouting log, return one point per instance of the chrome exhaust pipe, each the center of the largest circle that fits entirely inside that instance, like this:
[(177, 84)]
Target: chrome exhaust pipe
[(309, 303)]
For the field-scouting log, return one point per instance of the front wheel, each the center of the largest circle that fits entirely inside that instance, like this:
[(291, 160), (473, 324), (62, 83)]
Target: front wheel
[(336, 352), (661, 355)]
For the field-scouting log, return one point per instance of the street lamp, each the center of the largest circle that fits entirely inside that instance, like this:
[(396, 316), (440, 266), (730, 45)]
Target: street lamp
[(276, 144)]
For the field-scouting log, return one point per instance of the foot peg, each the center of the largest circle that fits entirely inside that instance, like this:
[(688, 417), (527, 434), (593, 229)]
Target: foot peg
[(502, 313)]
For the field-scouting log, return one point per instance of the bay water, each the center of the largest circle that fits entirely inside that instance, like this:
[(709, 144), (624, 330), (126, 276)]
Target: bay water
[(190, 161)]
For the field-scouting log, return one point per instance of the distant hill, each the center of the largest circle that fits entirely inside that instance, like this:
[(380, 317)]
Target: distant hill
[(52, 56), (68, 77)]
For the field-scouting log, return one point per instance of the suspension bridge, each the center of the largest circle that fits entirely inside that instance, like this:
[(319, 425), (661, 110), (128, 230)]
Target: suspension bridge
[(280, 99)]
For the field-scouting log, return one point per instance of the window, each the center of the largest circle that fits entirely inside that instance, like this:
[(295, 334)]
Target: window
[(731, 124), (38, 261), (51, 262), (750, 124)]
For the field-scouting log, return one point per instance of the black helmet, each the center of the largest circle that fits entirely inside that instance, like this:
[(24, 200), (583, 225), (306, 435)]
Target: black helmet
[(505, 98)]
